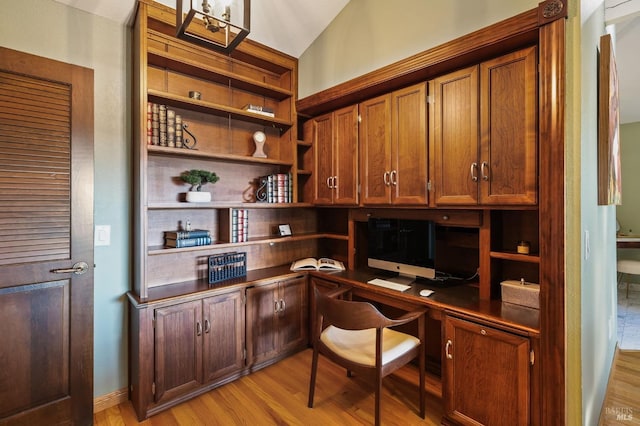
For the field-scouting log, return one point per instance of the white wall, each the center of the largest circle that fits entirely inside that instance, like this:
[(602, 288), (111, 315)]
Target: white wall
[(598, 284), (369, 34), (50, 29)]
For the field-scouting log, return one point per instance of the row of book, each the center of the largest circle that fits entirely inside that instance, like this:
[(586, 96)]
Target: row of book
[(275, 188), (239, 225), (164, 126), (193, 238)]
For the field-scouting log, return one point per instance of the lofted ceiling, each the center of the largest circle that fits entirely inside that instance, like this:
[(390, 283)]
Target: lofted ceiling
[(292, 25), (286, 25)]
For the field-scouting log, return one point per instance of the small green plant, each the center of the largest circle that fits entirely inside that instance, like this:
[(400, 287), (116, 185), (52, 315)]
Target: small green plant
[(197, 178)]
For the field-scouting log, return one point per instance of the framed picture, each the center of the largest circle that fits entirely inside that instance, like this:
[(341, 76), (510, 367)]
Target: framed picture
[(609, 167), (284, 230)]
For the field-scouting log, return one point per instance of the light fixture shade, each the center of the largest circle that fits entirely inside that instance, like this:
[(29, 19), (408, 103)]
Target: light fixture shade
[(216, 24)]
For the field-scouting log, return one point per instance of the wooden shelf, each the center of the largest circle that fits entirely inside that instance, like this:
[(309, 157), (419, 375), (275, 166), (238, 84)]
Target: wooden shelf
[(304, 172), (195, 153), (225, 205), (304, 144), (219, 110), (160, 250), (517, 257), (193, 68)]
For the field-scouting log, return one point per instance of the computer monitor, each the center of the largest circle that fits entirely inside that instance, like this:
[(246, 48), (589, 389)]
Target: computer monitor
[(405, 246)]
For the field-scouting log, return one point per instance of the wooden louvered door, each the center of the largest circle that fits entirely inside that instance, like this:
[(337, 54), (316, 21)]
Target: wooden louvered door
[(46, 227)]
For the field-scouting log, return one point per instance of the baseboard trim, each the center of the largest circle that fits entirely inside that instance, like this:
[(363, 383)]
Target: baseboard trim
[(109, 400)]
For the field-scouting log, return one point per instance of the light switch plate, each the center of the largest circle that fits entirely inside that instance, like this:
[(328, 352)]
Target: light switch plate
[(102, 236)]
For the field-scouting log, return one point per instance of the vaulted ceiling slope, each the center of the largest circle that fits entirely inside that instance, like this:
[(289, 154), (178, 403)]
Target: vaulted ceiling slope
[(289, 26)]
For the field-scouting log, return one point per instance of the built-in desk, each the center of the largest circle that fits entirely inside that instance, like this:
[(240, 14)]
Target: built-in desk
[(462, 299), (628, 241)]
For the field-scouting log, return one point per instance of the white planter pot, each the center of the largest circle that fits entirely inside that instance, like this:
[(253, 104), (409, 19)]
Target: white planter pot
[(198, 197)]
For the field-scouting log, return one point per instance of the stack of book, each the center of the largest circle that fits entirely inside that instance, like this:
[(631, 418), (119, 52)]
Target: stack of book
[(193, 238), (275, 188), (164, 126), (259, 109)]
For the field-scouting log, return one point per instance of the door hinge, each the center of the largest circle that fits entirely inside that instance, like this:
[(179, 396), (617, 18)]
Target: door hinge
[(532, 357), (153, 388)]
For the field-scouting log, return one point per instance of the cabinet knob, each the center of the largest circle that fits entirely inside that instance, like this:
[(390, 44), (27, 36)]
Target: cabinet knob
[(445, 217)]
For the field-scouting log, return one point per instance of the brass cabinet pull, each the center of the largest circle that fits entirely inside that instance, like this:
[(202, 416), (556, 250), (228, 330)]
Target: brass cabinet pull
[(198, 329), (474, 168), (394, 177), (329, 181), (335, 182), (385, 178), (207, 326), (446, 349), (484, 168), (283, 305)]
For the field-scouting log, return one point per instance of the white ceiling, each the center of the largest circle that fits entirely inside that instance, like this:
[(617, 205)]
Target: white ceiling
[(292, 25), (286, 25)]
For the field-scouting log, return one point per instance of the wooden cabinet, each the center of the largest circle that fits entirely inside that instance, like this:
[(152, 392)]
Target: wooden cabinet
[(393, 148), (486, 375), (196, 343), (483, 133), (277, 320), (334, 137)]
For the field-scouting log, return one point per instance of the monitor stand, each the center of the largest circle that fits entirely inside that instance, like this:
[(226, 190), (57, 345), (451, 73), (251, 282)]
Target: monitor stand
[(402, 279)]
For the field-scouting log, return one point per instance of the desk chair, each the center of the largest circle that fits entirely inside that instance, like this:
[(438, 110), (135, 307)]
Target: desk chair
[(628, 266), (355, 336)]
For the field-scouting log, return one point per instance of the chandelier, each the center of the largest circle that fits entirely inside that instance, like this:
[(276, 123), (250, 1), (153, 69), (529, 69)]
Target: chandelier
[(210, 23)]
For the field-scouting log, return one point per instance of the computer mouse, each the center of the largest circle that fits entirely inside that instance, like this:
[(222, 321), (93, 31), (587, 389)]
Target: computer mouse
[(426, 292)]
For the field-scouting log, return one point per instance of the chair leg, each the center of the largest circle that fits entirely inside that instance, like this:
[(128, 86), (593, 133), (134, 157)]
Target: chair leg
[(312, 383), (378, 395), (422, 365)]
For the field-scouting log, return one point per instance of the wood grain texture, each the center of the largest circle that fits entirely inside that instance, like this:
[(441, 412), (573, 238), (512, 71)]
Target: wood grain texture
[(276, 396), (622, 402)]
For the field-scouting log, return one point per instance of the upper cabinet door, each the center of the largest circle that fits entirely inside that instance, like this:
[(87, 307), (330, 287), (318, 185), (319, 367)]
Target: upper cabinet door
[(508, 96), (375, 150), (323, 167), (409, 145), (345, 156), (455, 137)]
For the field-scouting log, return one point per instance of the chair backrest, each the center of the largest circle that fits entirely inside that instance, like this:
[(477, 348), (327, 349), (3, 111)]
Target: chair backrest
[(348, 315)]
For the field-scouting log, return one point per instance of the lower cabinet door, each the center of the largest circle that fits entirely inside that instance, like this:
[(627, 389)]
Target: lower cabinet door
[(293, 315), (486, 376), (262, 323), (178, 349), (223, 330)]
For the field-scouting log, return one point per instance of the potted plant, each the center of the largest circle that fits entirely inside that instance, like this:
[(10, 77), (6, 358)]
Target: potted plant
[(198, 178)]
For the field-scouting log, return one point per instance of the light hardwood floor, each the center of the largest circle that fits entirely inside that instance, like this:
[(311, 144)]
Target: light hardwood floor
[(277, 395), (622, 403)]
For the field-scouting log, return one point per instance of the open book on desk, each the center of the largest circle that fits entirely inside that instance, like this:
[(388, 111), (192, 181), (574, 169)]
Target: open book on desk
[(322, 264)]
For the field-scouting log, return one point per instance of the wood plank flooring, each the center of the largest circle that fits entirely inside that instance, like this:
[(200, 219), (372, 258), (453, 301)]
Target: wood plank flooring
[(622, 402), (277, 395)]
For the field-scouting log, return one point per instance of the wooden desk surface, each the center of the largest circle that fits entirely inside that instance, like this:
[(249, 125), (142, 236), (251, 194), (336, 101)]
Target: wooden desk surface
[(461, 299)]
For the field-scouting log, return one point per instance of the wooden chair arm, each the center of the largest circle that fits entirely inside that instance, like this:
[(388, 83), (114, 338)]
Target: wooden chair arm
[(408, 317), (338, 292)]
